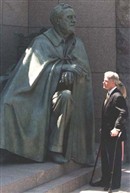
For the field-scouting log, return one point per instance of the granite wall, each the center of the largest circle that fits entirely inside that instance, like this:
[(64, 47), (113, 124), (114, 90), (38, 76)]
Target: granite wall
[(96, 25), (123, 53)]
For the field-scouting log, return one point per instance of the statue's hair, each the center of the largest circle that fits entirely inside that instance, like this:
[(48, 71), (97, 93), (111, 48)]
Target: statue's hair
[(57, 12), (115, 77)]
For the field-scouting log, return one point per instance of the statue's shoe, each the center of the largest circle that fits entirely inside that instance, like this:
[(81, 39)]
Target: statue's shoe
[(58, 158)]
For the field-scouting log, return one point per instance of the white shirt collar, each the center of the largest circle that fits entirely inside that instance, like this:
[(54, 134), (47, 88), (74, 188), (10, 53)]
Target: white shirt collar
[(110, 91)]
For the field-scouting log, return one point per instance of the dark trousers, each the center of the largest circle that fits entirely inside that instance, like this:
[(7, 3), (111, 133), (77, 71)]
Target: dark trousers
[(107, 156)]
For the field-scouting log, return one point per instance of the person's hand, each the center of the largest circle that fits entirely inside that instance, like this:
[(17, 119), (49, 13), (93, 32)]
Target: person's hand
[(114, 132), (67, 78), (75, 68)]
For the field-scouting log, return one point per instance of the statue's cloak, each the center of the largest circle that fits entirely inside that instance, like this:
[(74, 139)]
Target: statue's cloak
[(26, 101)]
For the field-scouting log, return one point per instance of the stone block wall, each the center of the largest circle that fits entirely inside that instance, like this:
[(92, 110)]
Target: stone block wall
[(123, 54), (13, 20), (96, 25)]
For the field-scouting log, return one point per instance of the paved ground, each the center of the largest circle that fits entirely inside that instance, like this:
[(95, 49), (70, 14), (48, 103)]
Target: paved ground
[(125, 186)]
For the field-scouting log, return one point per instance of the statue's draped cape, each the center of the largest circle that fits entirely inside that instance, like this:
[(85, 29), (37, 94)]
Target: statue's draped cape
[(26, 101)]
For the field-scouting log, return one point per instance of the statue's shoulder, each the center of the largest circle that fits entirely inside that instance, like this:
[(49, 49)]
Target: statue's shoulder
[(79, 42), (38, 40), (42, 37)]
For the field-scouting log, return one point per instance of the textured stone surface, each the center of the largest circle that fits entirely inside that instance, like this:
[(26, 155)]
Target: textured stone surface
[(0, 46), (94, 13), (123, 53), (0, 12), (9, 46), (67, 183), (101, 47), (123, 13), (18, 178), (125, 77), (39, 12), (123, 50), (15, 12), (123, 35), (99, 96)]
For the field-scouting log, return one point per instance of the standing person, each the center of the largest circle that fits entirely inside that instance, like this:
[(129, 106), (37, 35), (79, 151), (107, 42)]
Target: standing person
[(47, 107), (114, 115)]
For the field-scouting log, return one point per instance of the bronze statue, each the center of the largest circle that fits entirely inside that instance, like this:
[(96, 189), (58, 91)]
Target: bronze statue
[(47, 105)]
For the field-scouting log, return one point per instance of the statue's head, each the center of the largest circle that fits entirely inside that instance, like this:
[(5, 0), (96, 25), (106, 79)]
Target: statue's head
[(63, 19)]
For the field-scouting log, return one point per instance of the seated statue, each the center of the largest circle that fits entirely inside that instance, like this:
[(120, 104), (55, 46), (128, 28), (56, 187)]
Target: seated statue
[(47, 104)]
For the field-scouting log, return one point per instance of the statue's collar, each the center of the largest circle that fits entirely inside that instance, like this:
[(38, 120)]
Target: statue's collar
[(53, 36)]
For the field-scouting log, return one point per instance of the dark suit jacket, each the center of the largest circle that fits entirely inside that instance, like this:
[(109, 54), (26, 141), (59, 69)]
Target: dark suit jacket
[(114, 115)]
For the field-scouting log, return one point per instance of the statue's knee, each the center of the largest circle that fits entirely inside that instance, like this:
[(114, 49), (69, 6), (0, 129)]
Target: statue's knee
[(66, 94)]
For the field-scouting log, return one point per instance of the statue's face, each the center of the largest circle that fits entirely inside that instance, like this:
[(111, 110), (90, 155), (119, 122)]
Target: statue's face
[(67, 22)]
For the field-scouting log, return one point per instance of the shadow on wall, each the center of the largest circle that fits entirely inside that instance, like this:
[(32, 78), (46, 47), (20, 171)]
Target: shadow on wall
[(23, 43)]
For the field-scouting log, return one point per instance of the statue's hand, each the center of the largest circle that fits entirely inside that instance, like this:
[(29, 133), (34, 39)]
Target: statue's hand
[(67, 78), (75, 68)]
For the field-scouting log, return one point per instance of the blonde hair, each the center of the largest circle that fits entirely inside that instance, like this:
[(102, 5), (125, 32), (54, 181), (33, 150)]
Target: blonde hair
[(122, 89), (115, 77)]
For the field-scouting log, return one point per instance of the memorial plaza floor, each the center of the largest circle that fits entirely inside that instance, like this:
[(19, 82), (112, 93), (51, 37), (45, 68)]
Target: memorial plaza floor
[(125, 185), (54, 178)]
